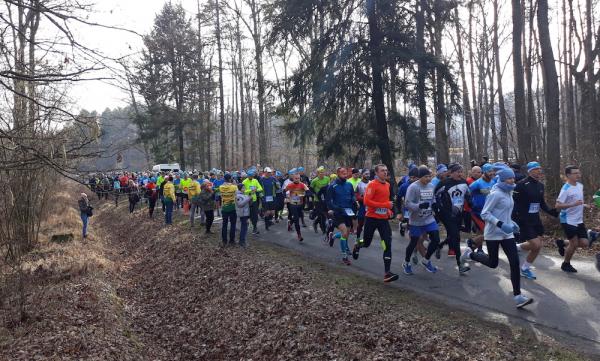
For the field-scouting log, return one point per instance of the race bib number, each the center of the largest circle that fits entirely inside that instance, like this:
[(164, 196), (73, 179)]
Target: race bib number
[(534, 208), (269, 198), (381, 211), (424, 213), (484, 191), (295, 199), (406, 213), (426, 196), (349, 212)]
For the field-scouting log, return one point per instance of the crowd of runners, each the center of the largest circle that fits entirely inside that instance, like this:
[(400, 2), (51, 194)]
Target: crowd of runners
[(496, 204)]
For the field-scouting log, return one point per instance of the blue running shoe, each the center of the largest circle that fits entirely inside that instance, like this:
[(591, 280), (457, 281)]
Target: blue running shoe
[(429, 266), (527, 273), (407, 268), (522, 301)]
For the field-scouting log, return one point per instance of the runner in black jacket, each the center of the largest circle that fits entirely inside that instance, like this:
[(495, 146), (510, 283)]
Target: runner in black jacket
[(529, 199)]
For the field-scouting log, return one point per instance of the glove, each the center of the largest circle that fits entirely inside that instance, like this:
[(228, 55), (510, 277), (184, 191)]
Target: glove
[(424, 205), (506, 228), (554, 212), (516, 227)]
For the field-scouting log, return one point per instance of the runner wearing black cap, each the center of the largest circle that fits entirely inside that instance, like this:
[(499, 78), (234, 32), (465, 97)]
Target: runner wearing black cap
[(451, 195)]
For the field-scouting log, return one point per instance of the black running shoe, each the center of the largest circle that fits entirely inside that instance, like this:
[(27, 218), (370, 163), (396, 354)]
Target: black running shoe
[(316, 226), (402, 230), (568, 268), (355, 250), (561, 247), (438, 253), (389, 277), (331, 239)]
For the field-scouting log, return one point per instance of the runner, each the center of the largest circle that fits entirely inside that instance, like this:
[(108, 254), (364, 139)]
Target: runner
[(355, 178), (253, 188), (479, 192), (270, 185), (571, 205), (228, 191), (279, 197), (451, 194), (499, 231), (529, 199), (206, 202), (441, 173), (420, 202), (168, 199), (378, 212), (361, 189), (341, 200), (296, 191), (320, 181)]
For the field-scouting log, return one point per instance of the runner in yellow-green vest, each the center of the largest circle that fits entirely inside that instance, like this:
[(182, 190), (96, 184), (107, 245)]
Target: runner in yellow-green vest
[(253, 188)]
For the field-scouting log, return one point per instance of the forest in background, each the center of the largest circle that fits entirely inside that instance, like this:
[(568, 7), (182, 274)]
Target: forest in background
[(238, 82)]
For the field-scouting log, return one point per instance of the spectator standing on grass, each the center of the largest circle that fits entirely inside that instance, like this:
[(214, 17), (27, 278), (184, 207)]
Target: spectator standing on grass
[(85, 210), (207, 204)]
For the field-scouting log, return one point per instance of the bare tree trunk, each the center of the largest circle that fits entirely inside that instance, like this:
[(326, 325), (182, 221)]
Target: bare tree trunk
[(375, 39), (476, 118), (421, 77), (501, 107), (523, 131), (223, 146), (551, 95)]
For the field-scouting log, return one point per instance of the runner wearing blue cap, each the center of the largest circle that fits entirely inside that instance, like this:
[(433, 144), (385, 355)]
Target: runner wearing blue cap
[(529, 199), (441, 172)]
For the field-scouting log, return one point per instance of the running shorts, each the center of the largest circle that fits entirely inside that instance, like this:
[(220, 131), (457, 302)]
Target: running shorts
[(417, 231), (342, 219), (530, 231), (579, 231)]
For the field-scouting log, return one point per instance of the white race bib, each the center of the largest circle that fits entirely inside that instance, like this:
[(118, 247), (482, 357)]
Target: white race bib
[(534, 208), (349, 212), (269, 198), (381, 211)]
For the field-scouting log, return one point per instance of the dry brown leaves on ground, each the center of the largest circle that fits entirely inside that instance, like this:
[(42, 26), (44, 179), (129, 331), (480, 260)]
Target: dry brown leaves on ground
[(169, 293)]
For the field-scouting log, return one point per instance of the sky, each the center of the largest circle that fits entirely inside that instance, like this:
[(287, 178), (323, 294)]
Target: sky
[(137, 15)]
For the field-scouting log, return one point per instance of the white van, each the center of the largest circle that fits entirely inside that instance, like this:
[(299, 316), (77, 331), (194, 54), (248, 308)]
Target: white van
[(173, 167)]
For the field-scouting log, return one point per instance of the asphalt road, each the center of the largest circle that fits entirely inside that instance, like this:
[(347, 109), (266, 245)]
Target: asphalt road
[(567, 306)]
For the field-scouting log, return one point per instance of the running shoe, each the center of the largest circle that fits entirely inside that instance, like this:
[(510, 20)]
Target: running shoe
[(466, 255), (316, 226), (355, 250), (255, 232), (429, 266), (561, 247), (415, 258), (407, 268), (300, 239), (289, 226), (438, 253), (522, 301), (592, 237), (451, 253), (389, 277), (346, 261), (303, 224), (330, 238), (462, 269), (402, 229), (568, 268), (528, 273)]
